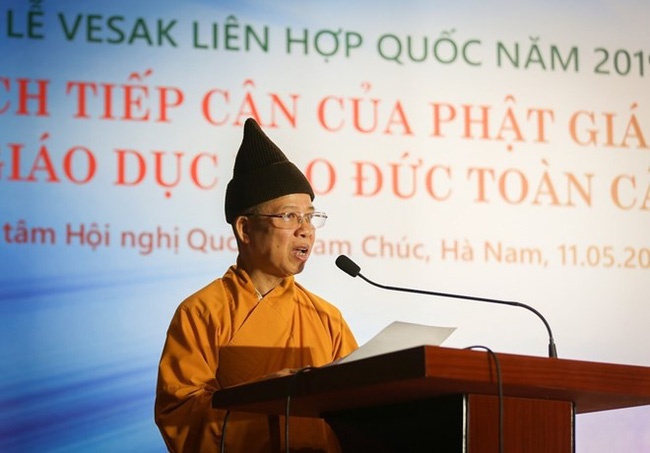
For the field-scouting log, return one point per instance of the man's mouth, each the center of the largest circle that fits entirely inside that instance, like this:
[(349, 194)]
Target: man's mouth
[(301, 252)]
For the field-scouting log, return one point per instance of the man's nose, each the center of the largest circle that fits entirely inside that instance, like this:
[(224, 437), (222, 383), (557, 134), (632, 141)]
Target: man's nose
[(305, 228)]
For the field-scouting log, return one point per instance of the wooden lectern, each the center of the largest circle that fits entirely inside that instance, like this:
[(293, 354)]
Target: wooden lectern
[(440, 399)]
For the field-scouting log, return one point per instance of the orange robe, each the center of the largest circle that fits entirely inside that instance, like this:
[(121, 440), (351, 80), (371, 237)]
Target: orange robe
[(224, 335)]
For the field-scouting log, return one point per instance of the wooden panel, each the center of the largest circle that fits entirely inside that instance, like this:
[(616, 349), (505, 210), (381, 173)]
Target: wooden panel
[(530, 425), (457, 423)]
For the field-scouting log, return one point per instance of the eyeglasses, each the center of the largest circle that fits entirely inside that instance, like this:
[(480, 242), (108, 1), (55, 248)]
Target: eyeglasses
[(293, 219)]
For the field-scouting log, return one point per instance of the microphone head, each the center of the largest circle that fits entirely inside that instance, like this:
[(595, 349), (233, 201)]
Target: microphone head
[(347, 265)]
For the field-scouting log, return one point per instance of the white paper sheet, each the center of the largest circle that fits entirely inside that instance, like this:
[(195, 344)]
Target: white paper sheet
[(398, 336)]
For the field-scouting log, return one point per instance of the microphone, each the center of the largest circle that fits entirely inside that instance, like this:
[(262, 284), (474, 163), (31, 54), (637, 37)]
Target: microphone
[(352, 269)]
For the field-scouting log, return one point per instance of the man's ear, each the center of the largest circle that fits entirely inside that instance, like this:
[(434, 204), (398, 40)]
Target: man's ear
[(242, 229)]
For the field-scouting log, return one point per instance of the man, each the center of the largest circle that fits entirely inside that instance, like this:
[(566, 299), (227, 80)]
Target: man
[(256, 319)]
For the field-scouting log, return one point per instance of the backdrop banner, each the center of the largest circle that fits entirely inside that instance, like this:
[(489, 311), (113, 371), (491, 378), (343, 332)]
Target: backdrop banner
[(497, 149)]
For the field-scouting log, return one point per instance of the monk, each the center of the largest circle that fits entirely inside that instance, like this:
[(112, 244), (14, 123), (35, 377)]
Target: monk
[(256, 319)]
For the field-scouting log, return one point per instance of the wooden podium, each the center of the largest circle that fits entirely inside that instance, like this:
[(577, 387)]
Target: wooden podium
[(441, 399)]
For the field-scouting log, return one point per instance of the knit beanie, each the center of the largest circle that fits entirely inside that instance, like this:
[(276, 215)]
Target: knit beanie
[(261, 173)]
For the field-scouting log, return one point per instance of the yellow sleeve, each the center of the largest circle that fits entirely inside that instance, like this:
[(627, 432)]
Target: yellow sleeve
[(345, 343), (186, 382)]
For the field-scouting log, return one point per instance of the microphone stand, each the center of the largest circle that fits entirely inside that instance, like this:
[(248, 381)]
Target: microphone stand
[(552, 350)]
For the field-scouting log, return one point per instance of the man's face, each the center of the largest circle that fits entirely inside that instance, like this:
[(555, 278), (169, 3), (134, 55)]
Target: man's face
[(281, 252)]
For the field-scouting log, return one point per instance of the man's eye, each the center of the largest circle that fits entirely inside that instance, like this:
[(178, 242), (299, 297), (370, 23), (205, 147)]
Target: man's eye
[(290, 216)]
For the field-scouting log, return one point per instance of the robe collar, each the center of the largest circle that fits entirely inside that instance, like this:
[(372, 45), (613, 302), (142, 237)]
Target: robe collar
[(244, 281)]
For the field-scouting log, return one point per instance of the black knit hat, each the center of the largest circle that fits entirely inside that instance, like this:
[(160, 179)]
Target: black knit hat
[(262, 172)]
